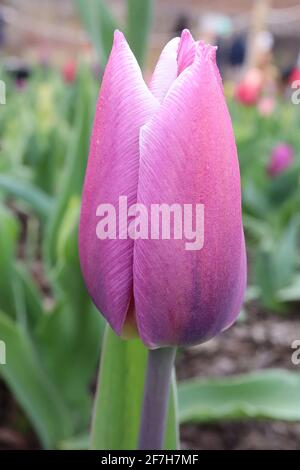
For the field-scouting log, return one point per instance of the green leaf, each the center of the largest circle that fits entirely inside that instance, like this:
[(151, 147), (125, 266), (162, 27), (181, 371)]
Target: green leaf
[(255, 200), (28, 299), (77, 321), (139, 16), (69, 346), (292, 292), (37, 200), (30, 385), (119, 397), (276, 264), (75, 318), (286, 253), (267, 394), (9, 231), (265, 278), (257, 228), (75, 443), (100, 25)]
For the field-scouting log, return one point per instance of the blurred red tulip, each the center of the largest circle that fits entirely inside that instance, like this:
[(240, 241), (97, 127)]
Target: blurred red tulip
[(248, 91), (69, 71), (294, 76)]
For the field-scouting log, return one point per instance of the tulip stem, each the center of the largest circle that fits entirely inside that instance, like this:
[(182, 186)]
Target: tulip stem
[(156, 398)]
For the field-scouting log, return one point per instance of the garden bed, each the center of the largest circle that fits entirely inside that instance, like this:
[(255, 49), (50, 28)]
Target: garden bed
[(261, 340)]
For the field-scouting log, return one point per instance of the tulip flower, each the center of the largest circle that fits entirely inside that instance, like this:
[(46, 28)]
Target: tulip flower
[(169, 143), (69, 71), (294, 76), (248, 91), (281, 159), (266, 106)]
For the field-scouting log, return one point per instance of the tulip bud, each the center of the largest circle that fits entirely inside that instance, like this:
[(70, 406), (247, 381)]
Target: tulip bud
[(69, 71), (294, 76), (266, 106), (169, 146), (281, 158), (248, 91)]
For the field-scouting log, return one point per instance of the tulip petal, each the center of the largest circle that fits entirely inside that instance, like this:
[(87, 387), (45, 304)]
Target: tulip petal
[(165, 71), (125, 104), (188, 156), (240, 288), (186, 51)]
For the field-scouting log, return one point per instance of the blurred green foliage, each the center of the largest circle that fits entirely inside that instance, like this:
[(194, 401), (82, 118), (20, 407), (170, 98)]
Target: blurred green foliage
[(270, 205), (100, 24), (49, 324)]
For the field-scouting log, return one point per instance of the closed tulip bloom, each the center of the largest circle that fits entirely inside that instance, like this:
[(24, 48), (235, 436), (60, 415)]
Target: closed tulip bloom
[(281, 159), (167, 143), (69, 71), (294, 76), (266, 106), (248, 91)]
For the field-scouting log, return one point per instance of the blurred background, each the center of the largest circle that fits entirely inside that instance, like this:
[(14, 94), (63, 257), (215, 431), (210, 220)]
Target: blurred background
[(238, 391)]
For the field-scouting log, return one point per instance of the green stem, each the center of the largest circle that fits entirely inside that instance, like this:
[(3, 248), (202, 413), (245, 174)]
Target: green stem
[(156, 398)]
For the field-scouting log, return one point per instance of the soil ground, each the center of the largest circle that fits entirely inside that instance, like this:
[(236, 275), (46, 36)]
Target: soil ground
[(262, 341)]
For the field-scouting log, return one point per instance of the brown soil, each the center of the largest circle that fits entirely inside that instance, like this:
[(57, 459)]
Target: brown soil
[(261, 341), (15, 432)]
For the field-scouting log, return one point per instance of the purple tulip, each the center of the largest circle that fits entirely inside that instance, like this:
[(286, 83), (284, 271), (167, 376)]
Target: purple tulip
[(169, 143), (281, 158)]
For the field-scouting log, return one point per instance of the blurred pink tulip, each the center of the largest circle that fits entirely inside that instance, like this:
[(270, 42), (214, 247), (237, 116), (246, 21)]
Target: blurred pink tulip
[(281, 158), (171, 142), (248, 91), (294, 76), (266, 106)]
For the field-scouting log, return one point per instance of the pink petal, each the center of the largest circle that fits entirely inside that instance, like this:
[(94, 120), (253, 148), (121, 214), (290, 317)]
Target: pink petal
[(177, 55), (240, 288), (165, 71), (186, 51), (124, 105), (188, 156)]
